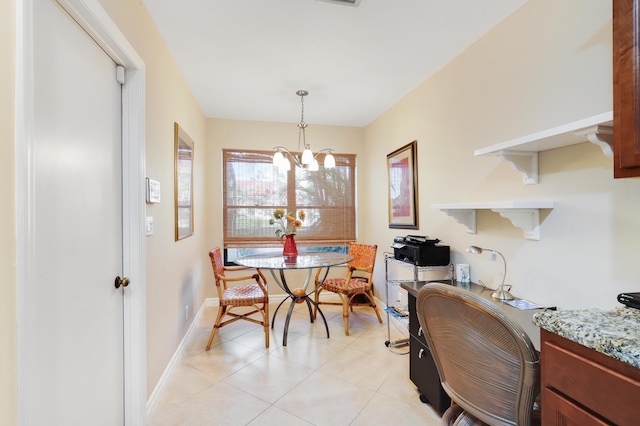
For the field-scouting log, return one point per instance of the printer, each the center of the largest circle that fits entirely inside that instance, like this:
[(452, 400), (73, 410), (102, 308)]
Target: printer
[(420, 251)]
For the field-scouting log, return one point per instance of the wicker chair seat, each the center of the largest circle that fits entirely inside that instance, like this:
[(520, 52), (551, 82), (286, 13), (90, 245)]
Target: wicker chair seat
[(338, 285), (244, 295)]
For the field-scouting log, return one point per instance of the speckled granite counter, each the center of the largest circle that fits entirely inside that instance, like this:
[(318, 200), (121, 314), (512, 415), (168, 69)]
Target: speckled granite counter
[(612, 331)]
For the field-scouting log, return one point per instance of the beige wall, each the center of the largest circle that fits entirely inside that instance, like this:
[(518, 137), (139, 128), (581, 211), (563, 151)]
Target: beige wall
[(547, 65), (175, 270), (8, 319)]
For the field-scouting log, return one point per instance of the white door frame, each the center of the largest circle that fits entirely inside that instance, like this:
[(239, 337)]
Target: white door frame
[(92, 17)]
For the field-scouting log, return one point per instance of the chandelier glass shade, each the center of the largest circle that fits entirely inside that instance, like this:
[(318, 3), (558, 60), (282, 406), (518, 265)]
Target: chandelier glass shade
[(282, 157)]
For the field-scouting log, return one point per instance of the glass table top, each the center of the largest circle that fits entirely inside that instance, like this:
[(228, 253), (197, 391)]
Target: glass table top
[(303, 260)]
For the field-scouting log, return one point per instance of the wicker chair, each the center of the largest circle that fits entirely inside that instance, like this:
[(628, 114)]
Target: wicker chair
[(357, 282), (239, 296), (486, 362)]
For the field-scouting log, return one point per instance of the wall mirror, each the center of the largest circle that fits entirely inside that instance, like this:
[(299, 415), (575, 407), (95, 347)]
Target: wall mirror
[(183, 183)]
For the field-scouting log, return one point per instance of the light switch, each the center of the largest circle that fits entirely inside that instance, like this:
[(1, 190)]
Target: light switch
[(149, 225)]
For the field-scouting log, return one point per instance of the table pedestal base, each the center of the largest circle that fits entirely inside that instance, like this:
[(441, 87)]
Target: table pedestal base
[(295, 299)]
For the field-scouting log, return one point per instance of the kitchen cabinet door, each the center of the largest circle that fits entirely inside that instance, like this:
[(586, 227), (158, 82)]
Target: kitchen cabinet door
[(626, 88)]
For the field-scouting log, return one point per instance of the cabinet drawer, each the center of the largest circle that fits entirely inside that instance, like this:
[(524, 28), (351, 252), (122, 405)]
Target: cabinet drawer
[(424, 374), (592, 380), (414, 323)]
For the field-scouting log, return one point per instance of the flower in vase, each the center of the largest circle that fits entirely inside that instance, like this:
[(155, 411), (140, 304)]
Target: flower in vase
[(286, 222)]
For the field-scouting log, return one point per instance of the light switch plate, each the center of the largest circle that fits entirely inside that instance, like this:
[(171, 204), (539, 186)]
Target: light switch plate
[(149, 225)]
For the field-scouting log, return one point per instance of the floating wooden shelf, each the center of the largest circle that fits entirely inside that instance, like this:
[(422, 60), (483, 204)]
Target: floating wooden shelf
[(522, 214), (522, 152)]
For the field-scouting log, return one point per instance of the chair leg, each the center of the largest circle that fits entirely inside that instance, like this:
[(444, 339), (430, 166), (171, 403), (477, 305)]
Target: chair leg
[(265, 320), (221, 311), (345, 313), (373, 305)]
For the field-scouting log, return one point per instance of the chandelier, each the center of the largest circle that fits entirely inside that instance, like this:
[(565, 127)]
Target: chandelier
[(307, 160)]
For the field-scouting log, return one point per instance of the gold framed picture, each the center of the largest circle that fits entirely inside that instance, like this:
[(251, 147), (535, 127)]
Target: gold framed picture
[(183, 183), (403, 187)]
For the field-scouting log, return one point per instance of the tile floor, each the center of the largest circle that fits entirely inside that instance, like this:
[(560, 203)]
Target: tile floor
[(343, 380)]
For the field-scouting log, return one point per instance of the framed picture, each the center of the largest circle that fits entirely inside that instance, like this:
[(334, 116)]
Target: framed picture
[(183, 183), (403, 187)]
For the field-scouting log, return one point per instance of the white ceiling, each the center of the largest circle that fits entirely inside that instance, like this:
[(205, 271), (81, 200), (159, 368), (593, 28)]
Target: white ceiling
[(245, 59)]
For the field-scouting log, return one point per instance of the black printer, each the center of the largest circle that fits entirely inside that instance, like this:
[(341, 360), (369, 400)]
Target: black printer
[(420, 251)]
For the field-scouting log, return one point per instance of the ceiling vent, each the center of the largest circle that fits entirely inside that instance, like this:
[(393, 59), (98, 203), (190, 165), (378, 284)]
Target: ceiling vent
[(354, 3)]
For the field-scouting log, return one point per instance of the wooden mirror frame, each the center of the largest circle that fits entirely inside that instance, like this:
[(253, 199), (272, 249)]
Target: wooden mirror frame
[(183, 183)]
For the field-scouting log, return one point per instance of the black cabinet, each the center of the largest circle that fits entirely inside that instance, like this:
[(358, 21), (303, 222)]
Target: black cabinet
[(422, 369)]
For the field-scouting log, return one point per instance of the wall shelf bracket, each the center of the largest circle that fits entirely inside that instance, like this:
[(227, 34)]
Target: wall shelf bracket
[(526, 219), (525, 162), (465, 217), (524, 215), (601, 135)]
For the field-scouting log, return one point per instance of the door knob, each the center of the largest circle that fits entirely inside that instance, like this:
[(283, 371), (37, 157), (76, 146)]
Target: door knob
[(121, 282)]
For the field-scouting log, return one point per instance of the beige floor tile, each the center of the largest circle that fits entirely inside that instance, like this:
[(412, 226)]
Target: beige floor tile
[(255, 339), (184, 383), (311, 352), (220, 404), (325, 400), (277, 417), (382, 410), (223, 360), (198, 341), (366, 369), (269, 378)]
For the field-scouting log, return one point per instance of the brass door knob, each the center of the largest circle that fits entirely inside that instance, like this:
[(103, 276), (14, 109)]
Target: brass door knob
[(121, 282)]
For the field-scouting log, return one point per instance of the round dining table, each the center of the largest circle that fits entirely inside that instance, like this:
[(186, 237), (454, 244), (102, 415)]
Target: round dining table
[(278, 264)]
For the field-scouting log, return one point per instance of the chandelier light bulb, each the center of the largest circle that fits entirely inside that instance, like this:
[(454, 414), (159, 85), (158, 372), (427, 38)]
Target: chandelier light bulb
[(278, 159), (314, 167), (307, 155), (329, 161)]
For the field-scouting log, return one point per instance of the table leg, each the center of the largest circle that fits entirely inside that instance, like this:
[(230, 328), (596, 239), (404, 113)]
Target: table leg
[(309, 302), (273, 320), (286, 322)]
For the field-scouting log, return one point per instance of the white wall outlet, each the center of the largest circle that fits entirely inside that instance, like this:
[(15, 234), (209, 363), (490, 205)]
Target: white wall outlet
[(149, 225)]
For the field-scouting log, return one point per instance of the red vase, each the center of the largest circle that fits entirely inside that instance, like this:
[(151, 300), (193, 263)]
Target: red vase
[(290, 248)]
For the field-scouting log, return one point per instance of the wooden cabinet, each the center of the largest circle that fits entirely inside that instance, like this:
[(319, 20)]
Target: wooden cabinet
[(626, 88), (583, 387)]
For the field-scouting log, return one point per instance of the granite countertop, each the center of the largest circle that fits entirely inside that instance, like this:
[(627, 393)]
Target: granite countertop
[(612, 331)]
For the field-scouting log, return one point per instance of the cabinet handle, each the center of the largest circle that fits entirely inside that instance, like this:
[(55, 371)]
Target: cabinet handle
[(420, 332), (421, 354)]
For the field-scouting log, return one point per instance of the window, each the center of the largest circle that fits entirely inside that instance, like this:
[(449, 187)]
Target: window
[(254, 188)]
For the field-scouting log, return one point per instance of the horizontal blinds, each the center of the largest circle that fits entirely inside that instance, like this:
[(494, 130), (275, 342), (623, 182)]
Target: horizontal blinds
[(253, 189)]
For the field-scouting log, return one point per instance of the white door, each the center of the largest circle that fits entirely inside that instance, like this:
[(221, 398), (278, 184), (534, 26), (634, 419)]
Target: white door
[(74, 312)]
